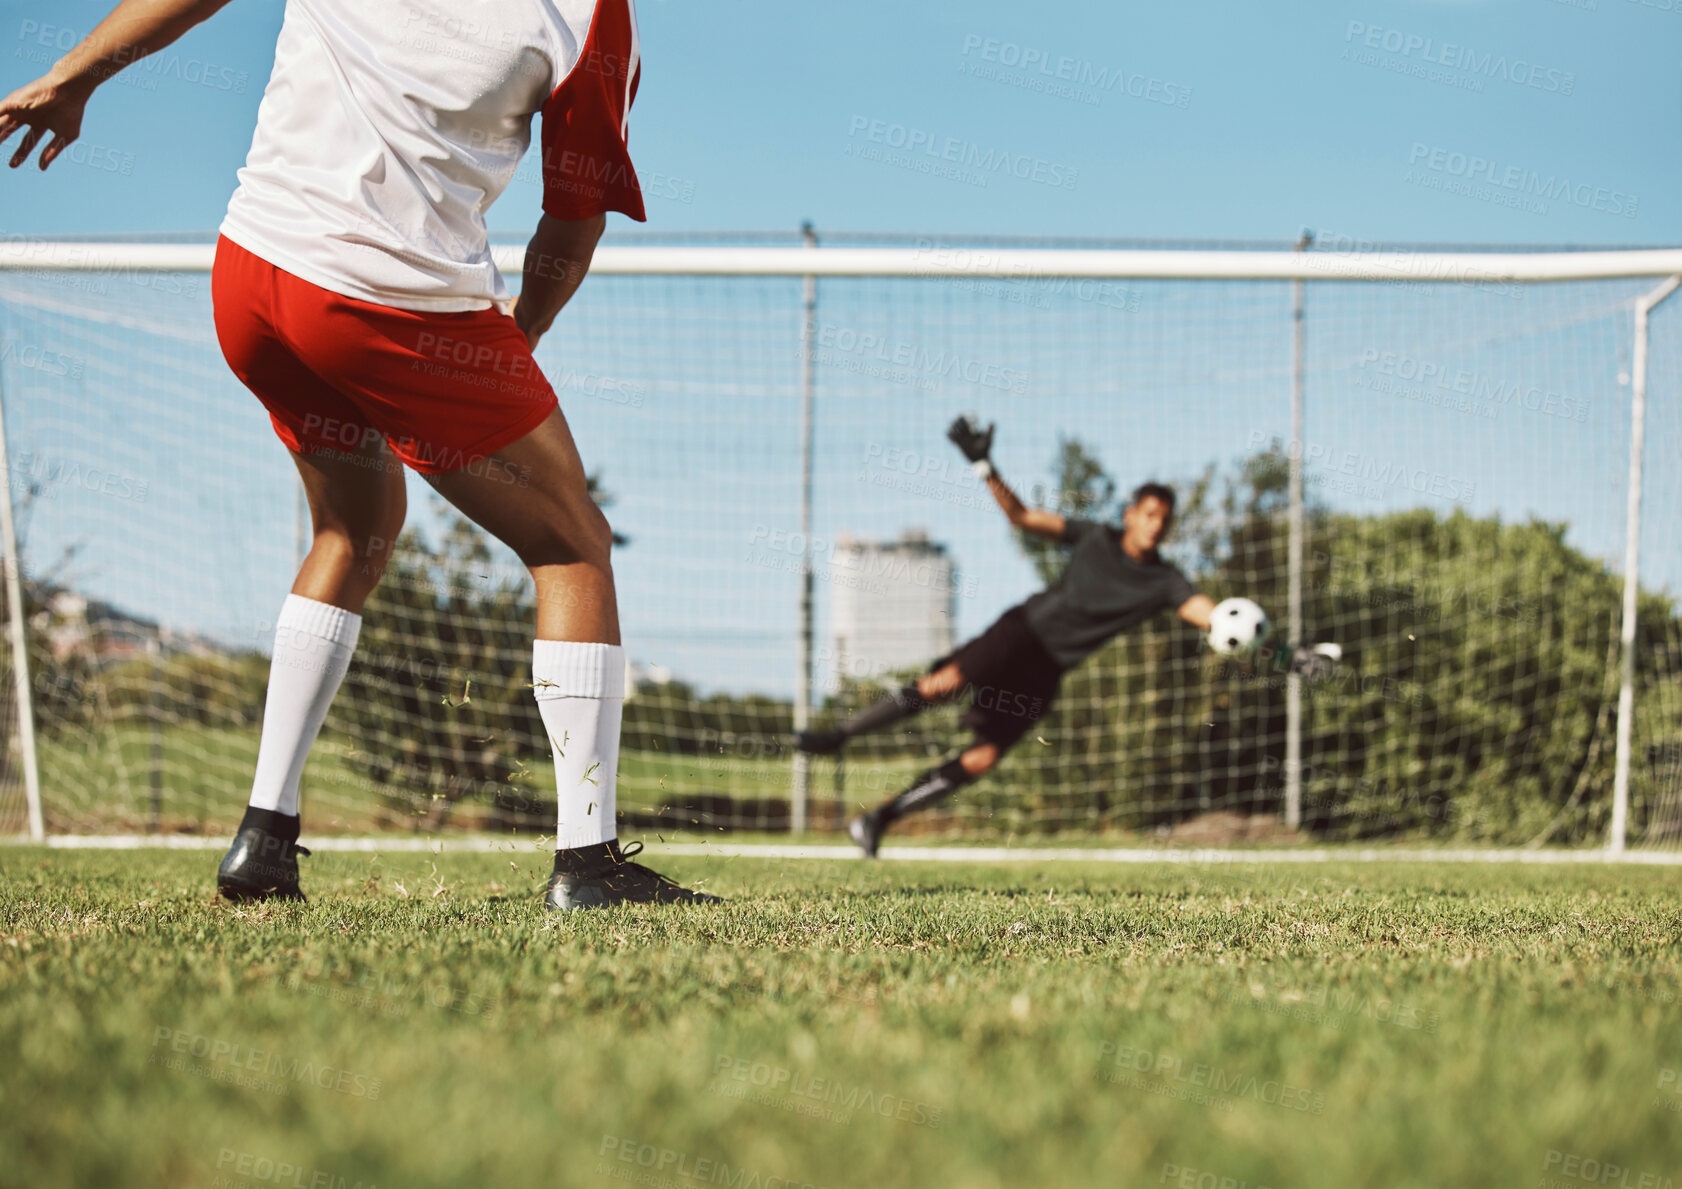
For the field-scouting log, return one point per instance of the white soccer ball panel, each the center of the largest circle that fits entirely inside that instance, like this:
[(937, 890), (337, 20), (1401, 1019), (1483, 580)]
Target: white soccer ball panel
[(1237, 625)]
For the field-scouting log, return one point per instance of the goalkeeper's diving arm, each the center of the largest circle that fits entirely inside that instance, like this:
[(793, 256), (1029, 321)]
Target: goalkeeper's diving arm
[(977, 444), (1198, 611)]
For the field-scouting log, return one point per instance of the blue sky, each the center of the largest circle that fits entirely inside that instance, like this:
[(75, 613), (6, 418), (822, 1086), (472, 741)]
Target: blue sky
[(1289, 119), (1246, 125)]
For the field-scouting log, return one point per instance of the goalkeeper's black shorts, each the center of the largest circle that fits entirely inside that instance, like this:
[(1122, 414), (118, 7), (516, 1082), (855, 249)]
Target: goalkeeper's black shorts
[(1010, 678)]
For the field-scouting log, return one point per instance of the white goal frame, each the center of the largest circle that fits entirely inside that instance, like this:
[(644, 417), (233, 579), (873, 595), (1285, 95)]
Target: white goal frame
[(928, 259)]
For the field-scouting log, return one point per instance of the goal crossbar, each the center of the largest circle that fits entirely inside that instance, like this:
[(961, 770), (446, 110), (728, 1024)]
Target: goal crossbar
[(942, 261)]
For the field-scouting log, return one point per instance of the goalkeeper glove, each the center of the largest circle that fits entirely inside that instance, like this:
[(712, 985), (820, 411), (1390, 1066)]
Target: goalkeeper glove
[(1316, 662), (975, 443)]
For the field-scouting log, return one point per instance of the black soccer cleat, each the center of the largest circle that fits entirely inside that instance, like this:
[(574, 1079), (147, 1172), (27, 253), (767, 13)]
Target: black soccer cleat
[(262, 864), (602, 876), (821, 743), (866, 829)]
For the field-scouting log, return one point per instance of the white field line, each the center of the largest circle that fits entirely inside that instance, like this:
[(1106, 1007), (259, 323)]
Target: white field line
[(918, 854)]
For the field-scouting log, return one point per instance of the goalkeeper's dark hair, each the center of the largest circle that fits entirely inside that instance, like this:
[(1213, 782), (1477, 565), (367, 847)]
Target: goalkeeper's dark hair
[(1161, 491)]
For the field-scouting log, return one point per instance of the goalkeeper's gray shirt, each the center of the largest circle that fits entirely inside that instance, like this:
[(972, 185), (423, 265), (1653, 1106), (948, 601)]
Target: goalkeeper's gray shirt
[(1101, 593)]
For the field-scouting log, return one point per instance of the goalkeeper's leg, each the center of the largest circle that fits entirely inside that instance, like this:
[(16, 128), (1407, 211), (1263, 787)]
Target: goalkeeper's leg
[(928, 690), (931, 788)]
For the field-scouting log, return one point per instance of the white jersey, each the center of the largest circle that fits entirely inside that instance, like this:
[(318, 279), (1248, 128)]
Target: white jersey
[(390, 126)]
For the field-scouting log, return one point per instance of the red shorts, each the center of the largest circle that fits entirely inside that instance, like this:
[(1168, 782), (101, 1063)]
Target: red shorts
[(335, 373)]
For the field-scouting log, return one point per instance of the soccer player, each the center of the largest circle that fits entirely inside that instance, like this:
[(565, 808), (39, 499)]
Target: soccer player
[(1115, 579), (356, 297)]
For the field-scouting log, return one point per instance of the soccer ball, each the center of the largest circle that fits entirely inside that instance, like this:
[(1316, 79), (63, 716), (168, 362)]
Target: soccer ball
[(1237, 625)]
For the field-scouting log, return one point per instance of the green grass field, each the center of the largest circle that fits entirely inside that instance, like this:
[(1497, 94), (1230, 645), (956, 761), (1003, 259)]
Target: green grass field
[(421, 1023)]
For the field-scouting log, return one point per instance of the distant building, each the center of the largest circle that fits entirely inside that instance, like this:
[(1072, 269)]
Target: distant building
[(893, 605), (75, 624), (640, 678)]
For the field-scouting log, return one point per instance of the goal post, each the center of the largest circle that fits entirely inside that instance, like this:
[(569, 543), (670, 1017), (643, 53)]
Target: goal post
[(1433, 458)]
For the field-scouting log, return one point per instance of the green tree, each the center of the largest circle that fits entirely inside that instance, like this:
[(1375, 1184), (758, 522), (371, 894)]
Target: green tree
[(1476, 698)]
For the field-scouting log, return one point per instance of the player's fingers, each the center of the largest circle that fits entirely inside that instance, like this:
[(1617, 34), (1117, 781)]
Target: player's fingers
[(51, 152), (8, 125), (27, 145)]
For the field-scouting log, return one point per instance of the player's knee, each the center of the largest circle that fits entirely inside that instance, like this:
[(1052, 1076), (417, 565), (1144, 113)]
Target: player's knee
[(940, 683), (978, 760), (598, 539)]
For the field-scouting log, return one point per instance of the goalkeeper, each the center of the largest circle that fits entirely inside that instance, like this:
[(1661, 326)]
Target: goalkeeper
[(1115, 579)]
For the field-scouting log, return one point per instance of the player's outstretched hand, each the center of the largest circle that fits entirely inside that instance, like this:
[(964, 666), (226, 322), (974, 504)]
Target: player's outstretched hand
[(42, 107), (976, 443)]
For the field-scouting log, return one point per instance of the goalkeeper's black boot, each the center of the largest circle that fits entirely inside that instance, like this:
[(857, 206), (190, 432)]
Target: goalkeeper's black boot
[(821, 743), (932, 786), (262, 864), (603, 875), (866, 829)]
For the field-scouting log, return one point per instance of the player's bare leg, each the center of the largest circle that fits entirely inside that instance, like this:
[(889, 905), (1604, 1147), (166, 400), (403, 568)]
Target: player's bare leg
[(930, 689), (357, 505), (931, 787), (534, 497)]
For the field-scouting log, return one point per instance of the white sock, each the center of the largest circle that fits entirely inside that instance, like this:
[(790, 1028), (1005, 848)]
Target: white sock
[(313, 643), (580, 692)]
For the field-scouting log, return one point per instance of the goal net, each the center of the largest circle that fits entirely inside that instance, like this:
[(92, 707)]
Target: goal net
[(1461, 442)]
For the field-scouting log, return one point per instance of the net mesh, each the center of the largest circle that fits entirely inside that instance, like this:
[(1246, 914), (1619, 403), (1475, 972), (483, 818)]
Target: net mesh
[(1465, 461)]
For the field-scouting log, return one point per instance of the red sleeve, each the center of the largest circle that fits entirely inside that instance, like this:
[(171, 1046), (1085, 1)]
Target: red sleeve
[(587, 167)]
